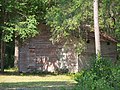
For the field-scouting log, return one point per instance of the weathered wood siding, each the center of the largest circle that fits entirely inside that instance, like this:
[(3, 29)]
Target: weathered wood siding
[(39, 54), (108, 50)]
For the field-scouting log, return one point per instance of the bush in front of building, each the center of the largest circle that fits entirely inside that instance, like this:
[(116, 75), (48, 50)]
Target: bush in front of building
[(101, 75)]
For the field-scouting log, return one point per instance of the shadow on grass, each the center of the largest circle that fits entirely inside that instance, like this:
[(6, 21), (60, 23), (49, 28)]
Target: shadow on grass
[(28, 74), (10, 73), (16, 73), (44, 85)]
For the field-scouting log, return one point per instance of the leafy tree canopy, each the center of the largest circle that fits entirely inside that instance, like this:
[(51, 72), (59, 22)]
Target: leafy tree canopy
[(65, 17), (77, 15), (22, 16)]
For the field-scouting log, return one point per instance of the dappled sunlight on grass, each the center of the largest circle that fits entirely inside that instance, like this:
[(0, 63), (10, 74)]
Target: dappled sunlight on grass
[(12, 80), (40, 82)]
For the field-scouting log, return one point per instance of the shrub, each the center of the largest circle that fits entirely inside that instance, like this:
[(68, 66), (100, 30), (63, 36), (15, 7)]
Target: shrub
[(101, 75), (61, 70)]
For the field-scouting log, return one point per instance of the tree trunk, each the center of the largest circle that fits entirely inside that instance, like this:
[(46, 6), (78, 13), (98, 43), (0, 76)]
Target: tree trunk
[(16, 54), (2, 54), (96, 28), (3, 20)]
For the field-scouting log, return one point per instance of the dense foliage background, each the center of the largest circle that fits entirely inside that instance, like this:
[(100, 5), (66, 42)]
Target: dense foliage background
[(102, 74), (68, 19)]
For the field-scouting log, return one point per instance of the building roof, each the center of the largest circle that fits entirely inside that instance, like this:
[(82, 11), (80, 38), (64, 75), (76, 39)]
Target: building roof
[(103, 37)]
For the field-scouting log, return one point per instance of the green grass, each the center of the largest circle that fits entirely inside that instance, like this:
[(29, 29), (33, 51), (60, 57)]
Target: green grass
[(11, 80)]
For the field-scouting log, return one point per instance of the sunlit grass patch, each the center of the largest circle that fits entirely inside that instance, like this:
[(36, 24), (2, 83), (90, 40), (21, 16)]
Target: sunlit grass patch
[(36, 81), (22, 78)]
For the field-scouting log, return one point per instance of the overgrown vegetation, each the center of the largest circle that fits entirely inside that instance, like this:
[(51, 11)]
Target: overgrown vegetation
[(102, 75), (70, 18), (19, 20)]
